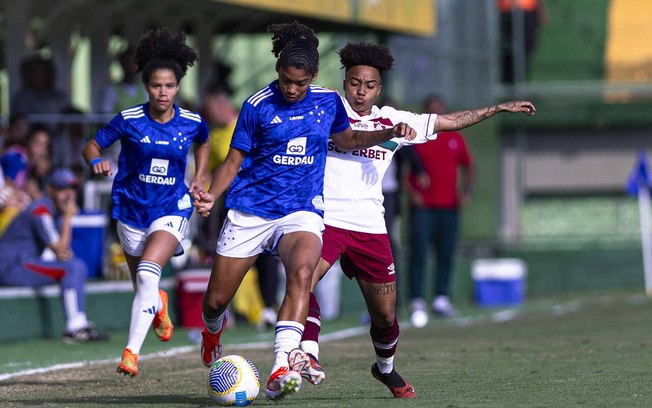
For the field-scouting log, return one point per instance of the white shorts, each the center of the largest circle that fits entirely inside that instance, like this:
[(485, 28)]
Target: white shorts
[(132, 239), (244, 235)]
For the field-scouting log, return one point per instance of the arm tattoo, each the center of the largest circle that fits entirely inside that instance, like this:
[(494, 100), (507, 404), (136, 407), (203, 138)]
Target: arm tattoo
[(385, 288), (471, 117)]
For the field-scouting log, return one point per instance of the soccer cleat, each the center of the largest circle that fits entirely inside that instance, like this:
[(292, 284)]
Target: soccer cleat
[(419, 316), (396, 384), (211, 349), (162, 324), (129, 364), (442, 306), (306, 365), (282, 382), (85, 335)]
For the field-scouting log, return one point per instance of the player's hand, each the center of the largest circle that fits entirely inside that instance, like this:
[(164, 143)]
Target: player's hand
[(196, 185), (203, 202), (403, 130), (103, 168), (518, 106)]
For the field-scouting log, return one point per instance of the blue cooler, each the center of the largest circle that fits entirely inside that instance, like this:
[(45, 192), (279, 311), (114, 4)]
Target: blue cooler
[(499, 282), (88, 229)]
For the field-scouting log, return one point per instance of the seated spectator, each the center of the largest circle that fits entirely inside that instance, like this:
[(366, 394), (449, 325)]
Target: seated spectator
[(12, 202), (35, 251), (26, 165)]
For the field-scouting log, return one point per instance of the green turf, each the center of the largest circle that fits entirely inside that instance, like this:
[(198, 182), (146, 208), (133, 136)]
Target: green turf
[(574, 352)]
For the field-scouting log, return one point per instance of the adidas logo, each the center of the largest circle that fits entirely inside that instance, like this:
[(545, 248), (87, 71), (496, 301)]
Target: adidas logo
[(276, 120), (150, 310), (392, 269), (169, 224), (145, 140)]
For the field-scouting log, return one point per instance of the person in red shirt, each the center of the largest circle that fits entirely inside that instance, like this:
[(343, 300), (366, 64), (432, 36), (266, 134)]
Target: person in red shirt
[(436, 196)]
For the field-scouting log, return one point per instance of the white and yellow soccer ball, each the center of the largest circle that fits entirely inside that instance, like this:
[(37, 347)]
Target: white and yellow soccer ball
[(233, 380)]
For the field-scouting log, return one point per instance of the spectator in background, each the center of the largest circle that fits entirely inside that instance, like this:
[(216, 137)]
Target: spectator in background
[(12, 202), (35, 251), (129, 91), (267, 267), (436, 198), (532, 14), (221, 117), (16, 131), (27, 165), (39, 95)]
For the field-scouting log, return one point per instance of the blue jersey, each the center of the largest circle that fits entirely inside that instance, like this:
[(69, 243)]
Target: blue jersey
[(285, 145), (150, 181)]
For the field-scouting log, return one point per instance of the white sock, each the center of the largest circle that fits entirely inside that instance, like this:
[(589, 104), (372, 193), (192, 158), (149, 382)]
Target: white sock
[(287, 338), (311, 347), (214, 325), (385, 365), (147, 302), (76, 320)]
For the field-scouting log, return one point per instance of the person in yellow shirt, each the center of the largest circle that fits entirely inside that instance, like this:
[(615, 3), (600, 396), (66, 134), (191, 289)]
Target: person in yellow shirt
[(221, 116)]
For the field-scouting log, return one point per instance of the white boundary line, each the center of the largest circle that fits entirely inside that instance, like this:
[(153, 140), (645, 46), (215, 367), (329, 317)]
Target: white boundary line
[(496, 317), (339, 335)]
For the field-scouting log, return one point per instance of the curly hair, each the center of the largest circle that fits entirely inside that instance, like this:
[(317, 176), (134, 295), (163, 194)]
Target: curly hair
[(373, 55), (295, 45), (160, 49)]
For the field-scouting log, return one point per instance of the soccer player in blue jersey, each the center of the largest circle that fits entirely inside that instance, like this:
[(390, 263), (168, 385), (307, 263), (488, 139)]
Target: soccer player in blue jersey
[(274, 171), (151, 200)]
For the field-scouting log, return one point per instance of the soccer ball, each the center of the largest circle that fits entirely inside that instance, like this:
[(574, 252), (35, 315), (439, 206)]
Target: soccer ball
[(233, 380)]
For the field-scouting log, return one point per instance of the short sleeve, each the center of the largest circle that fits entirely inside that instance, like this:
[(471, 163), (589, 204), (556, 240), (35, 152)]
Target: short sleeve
[(341, 120), (110, 133), (245, 128), (202, 133)]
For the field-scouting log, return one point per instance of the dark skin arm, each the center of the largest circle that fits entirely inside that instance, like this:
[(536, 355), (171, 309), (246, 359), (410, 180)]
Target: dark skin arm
[(354, 139)]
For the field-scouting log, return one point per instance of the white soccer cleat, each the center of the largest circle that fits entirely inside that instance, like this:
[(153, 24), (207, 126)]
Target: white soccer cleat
[(419, 316), (307, 366), (442, 306)]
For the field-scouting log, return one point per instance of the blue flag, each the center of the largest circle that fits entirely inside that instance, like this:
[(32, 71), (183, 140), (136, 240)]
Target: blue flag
[(640, 175)]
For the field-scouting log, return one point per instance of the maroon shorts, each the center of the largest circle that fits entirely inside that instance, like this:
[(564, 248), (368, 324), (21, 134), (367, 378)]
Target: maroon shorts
[(364, 256)]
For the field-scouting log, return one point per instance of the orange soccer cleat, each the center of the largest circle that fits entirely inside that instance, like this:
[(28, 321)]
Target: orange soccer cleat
[(162, 324), (129, 364)]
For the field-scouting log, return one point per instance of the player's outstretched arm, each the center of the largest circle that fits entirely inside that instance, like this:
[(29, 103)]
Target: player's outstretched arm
[(464, 119), (355, 139)]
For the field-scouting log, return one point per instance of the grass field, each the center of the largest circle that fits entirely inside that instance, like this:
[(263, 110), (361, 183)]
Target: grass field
[(590, 351)]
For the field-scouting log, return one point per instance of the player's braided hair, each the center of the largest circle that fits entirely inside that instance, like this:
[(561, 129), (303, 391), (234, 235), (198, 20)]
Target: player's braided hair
[(373, 55), (160, 49), (295, 45)]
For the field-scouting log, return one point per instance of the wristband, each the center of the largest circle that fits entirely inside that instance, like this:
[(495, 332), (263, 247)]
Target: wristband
[(95, 161)]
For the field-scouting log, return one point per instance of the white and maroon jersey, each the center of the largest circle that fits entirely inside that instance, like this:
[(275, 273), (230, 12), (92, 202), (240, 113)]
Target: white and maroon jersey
[(353, 180)]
